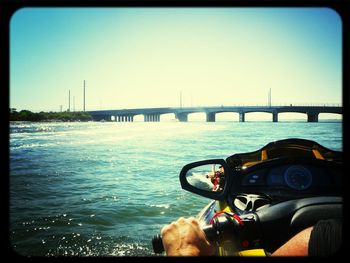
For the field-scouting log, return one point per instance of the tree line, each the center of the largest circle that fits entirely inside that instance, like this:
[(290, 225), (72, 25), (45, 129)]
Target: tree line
[(26, 115)]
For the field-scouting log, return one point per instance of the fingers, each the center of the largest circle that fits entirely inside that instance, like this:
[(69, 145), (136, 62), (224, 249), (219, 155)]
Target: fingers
[(168, 228), (190, 222), (193, 221), (179, 222)]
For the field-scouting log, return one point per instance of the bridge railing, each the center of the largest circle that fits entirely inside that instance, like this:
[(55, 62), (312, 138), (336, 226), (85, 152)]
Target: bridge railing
[(272, 105), (239, 105)]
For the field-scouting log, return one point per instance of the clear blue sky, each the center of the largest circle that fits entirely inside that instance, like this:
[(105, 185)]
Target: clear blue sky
[(147, 57)]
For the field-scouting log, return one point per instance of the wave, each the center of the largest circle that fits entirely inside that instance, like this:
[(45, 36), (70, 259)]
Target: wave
[(30, 128)]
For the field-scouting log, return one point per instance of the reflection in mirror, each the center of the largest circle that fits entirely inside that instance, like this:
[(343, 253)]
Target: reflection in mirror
[(208, 177)]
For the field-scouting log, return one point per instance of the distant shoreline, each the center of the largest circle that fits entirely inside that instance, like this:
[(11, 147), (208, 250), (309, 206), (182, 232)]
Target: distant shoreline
[(26, 115)]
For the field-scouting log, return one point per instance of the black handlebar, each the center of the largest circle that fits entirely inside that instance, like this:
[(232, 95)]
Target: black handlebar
[(157, 244)]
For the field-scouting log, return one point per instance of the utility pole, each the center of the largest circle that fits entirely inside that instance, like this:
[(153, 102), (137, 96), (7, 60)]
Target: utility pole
[(269, 98), (69, 100), (84, 95), (180, 99)]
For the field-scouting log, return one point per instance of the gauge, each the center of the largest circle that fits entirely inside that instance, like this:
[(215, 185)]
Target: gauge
[(298, 177)]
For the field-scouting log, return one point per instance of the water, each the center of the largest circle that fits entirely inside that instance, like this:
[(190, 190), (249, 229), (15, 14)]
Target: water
[(104, 189)]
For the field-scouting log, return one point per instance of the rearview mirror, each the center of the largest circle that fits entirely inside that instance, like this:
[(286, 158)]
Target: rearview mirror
[(207, 178)]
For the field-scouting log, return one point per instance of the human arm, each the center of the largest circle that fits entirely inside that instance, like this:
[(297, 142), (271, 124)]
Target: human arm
[(322, 239), (296, 246)]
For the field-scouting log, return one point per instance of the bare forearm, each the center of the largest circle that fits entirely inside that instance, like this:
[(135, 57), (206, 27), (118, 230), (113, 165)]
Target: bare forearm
[(296, 246)]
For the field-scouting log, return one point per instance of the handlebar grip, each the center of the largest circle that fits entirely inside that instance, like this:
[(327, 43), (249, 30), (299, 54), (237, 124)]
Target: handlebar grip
[(157, 244), (157, 241)]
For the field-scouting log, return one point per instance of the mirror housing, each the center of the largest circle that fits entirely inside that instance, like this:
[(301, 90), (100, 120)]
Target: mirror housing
[(198, 178)]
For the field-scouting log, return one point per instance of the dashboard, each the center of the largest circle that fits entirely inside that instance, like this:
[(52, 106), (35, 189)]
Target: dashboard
[(293, 178)]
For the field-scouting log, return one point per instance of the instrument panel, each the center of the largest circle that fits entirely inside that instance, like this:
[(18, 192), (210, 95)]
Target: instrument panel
[(294, 177)]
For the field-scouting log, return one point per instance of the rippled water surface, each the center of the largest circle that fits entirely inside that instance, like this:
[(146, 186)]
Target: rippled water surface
[(106, 188)]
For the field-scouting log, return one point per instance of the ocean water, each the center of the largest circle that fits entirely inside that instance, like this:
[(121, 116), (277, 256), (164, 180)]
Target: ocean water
[(106, 188)]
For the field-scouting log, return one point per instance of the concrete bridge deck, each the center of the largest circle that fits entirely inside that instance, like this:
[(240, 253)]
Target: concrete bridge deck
[(181, 113)]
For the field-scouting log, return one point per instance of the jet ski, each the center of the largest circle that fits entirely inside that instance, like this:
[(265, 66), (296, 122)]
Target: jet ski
[(265, 197)]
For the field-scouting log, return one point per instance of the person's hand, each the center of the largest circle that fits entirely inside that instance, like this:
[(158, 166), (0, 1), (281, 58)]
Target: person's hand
[(185, 238)]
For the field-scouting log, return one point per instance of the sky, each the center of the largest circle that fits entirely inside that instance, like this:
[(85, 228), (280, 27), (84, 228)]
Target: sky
[(164, 57)]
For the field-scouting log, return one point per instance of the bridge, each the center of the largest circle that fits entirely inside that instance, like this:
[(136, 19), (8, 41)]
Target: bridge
[(181, 113)]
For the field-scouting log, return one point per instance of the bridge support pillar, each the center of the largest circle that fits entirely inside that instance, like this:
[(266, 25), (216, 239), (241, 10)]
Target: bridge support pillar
[(151, 117), (312, 117), (210, 117), (182, 117), (241, 117), (275, 117), (124, 118)]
